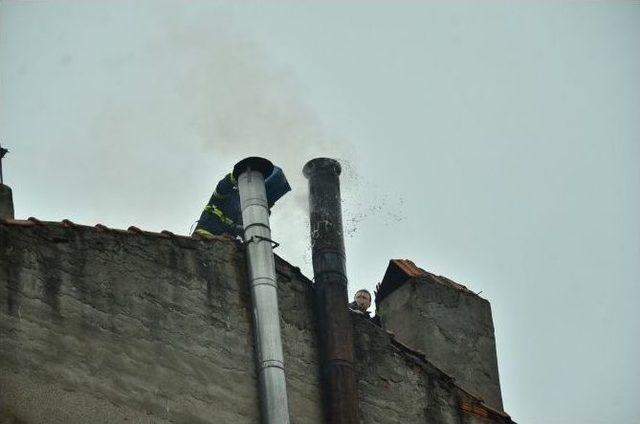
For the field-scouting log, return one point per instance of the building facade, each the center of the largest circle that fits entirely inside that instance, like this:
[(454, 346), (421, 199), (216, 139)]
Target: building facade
[(108, 326)]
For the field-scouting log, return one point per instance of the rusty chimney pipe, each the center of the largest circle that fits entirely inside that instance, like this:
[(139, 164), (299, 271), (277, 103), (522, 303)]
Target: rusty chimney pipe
[(336, 329)]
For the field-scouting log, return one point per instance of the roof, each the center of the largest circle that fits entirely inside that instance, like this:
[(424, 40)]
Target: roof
[(65, 223), (283, 267), (400, 271)]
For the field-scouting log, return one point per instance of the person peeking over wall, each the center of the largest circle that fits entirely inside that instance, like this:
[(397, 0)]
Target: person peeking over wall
[(361, 302), (222, 214)]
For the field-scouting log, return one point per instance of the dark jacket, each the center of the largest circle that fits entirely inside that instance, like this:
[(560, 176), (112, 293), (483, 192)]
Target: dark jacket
[(222, 214)]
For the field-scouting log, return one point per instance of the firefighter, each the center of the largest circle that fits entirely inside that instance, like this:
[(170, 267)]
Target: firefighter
[(222, 215)]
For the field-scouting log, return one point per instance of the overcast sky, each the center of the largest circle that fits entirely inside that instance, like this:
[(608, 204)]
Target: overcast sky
[(494, 143)]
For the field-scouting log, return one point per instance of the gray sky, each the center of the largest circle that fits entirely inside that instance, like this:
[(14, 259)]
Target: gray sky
[(494, 143)]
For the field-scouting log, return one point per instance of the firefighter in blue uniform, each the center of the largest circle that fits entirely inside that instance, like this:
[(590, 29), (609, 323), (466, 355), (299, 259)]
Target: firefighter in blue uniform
[(222, 215)]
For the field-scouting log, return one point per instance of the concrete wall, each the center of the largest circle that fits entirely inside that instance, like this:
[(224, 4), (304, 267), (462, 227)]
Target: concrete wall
[(452, 327), (108, 326)]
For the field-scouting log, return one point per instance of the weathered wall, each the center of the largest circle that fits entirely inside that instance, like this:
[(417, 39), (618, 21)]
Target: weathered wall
[(109, 326), (397, 385), (138, 326), (452, 327)]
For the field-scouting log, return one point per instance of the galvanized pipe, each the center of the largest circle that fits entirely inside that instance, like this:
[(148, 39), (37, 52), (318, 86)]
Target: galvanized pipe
[(251, 174), (329, 270)]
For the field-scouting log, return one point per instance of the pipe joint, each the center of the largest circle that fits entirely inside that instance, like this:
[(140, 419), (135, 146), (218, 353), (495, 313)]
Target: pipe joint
[(329, 261), (331, 277), (271, 363), (256, 201), (264, 281)]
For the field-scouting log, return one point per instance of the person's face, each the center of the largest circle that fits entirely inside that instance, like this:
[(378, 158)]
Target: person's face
[(363, 300)]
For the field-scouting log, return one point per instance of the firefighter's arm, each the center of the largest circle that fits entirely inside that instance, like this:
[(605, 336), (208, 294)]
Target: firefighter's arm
[(225, 187)]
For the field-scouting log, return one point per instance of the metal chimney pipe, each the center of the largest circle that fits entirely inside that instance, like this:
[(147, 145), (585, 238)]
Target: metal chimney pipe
[(251, 173), (329, 270)]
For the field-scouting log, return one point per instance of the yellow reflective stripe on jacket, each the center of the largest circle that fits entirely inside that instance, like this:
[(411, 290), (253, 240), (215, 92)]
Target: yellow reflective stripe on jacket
[(202, 232), (212, 210)]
